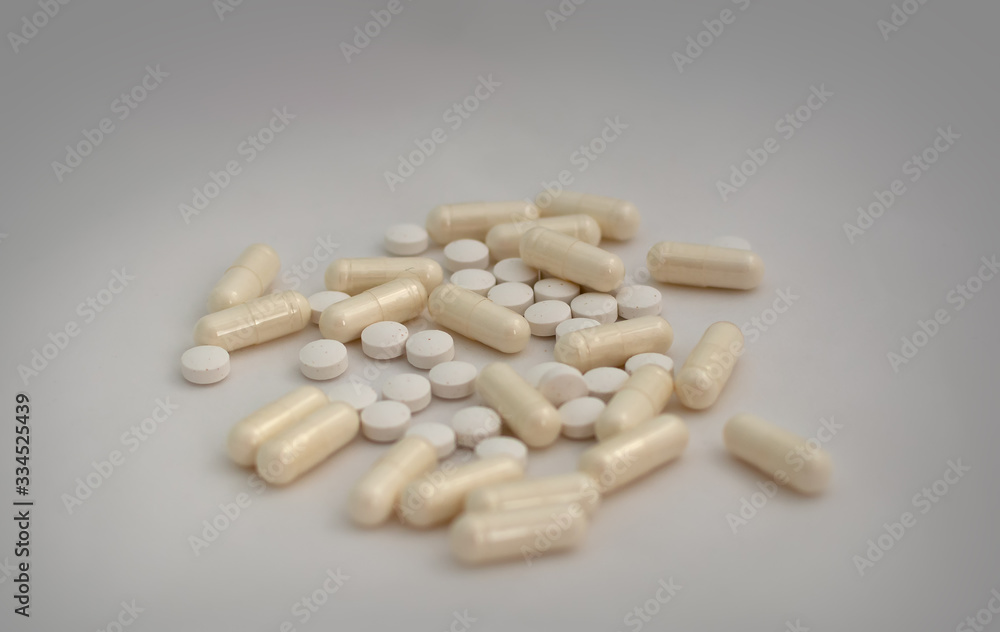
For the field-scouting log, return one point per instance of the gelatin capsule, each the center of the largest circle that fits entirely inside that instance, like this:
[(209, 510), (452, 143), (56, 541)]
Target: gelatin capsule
[(784, 456), (476, 317), (307, 443), (526, 533), (618, 219), (704, 266), (504, 240), (530, 416), (472, 220), (564, 489), (372, 499), (254, 322), (399, 301), (706, 371), (249, 276), (430, 500), (353, 276), (633, 453), (641, 397), (253, 431), (613, 344), (572, 259)]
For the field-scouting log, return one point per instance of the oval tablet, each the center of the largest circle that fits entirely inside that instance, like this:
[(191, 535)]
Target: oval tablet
[(574, 324), (507, 446), (596, 306), (429, 348), (604, 381), (466, 253), (640, 359), (405, 239), (321, 300), (475, 424), (774, 450), (556, 290), (384, 340), (409, 388), (514, 270), (562, 384), (639, 300), (704, 266), (479, 281), (572, 259), (385, 421), (579, 416), (453, 380), (205, 364), (544, 317), (438, 435), (323, 359), (517, 297)]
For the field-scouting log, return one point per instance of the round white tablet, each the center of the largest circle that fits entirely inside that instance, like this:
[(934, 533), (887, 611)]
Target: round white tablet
[(323, 359), (637, 361), (515, 270), (497, 446), (453, 380), (553, 289), (355, 393), (601, 307), (321, 300), (579, 415), (411, 389), (479, 281), (475, 424), (534, 375), (545, 316), (574, 324), (604, 381), (384, 340), (429, 348), (516, 297), (562, 384), (385, 421), (205, 364), (405, 239), (442, 437), (466, 253), (731, 241), (638, 300)]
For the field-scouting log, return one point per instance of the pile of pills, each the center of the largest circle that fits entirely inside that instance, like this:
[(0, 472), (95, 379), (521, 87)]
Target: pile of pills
[(610, 379)]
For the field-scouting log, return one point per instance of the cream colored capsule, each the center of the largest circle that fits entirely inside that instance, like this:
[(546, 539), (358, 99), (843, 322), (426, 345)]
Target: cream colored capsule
[(530, 416), (572, 259), (305, 444), (427, 502), (254, 322), (504, 240), (353, 276), (249, 276), (614, 343), (476, 317), (372, 499), (628, 455), (525, 533), (564, 489), (707, 369), (641, 397), (704, 266), (786, 457), (253, 431), (398, 301), (618, 219), (472, 220)]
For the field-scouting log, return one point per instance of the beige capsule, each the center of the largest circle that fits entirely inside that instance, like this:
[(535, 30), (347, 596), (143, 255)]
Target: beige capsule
[(786, 457), (629, 455), (572, 259), (428, 502), (353, 276), (372, 499), (526, 411), (254, 322), (307, 443), (399, 301), (475, 316), (641, 397), (563, 489), (249, 276), (472, 220), (523, 533), (614, 343), (704, 266), (707, 369), (504, 240), (253, 431), (618, 219)]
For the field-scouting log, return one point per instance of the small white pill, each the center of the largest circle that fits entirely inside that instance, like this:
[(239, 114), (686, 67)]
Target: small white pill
[(553, 289), (516, 297), (731, 241), (323, 359), (479, 281), (574, 324), (405, 239), (205, 364), (466, 253), (475, 424), (579, 415), (385, 421), (561, 384), (411, 389), (354, 393), (515, 270), (639, 300), (453, 380), (545, 316), (427, 349), (604, 381), (440, 436), (509, 446), (384, 340), (600, 307), (321, 300), (637, 361), (535, 374)]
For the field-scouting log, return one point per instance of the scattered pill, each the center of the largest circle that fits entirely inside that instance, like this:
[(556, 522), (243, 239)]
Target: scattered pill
[(385, 421), (770, 449), (323, 359), (252, 431), (409, 388), (504, 240), (358, 395), (707, 369), (517, 297), (704, 266), (205, 364), (479, 281), (305, 444), (574, 324), (613, 344), (248, 278), (475, 424), (528, 414), (466, 253), (478, 318), (579, 415), (508, 446), (553, 289), (440, 436), (354, 276), (535, 374), (544, 317), (254, 322), (563, 489), (472, 220), (426, 504), (453, 380), (489, 536), (643, 396), (405, 239), (572, 259), (514, 270), (384, 340), (429, 348), (372, 499), (561, 384), (618, 219), (604, 381), (596, 306), (640, 359), (321, 300), (634, 453), (635, 301), (398, 301)]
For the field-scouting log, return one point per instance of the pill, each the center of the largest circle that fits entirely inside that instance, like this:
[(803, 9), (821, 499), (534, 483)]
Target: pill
[(384, 340), (507, 446), (643, 396), (574, 324), (372, 499), (770, 449), (639, 300), (440, 436), (323, 359), (556, 290), (530, 416), (429, 348), (478, 318), (544, 317), (504, 240), (205, 364), (704, 266), (474, 424), (426, 504), (517, 297), (730, 241), (472, 220), (641, 359), (248, 278), (385, 421), (453, 380), (405, 239), (398, 301), (355, 393), (572, 259), (613, 344), (489, 536), (256, 321), (561, 384), (596, 306), (252, 431), (535, 374), (707, 369), (579, 415), (466, 253), (321, 300), (563, 489), (515, 270), (479, 281), (618, 219), (604, 381), (409, 388), (307, 443), (354, 276), (631, 454)]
